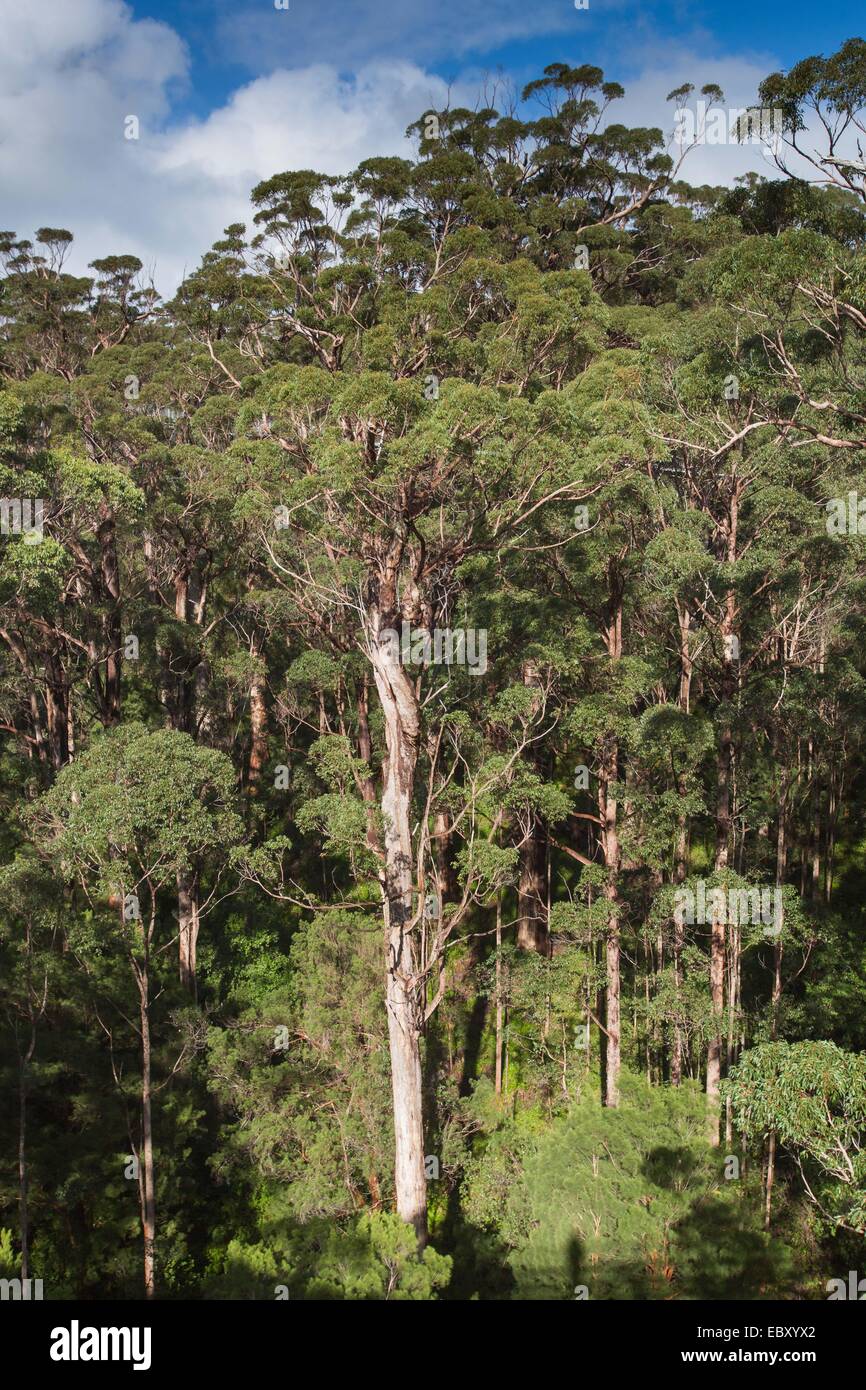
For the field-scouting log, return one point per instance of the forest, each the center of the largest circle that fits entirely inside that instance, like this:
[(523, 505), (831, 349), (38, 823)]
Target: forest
[(433, 721)]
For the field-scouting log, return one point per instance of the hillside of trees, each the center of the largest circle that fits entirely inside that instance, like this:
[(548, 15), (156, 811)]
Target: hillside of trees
[(433, 725)]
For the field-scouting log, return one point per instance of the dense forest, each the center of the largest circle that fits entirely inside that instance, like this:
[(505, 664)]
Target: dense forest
[(432, 722)]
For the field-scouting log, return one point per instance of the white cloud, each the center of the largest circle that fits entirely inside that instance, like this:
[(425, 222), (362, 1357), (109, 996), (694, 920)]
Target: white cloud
[(308, 118), (69, 75), (64, 159)]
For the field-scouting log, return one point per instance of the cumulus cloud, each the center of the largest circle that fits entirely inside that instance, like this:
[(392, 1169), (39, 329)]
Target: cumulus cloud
[(307, 118), (65, 159), (310, 118), (69, 76)]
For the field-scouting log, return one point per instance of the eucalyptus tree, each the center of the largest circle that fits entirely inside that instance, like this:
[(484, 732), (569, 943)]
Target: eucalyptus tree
[(813, 1094), (30, 926), (387, 496), (72, 460), (822, 102), (118, 824), (386, 477)]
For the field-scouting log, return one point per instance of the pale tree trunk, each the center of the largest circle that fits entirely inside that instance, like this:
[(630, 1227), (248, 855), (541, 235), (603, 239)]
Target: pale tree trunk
[(498, 1082), (146, 1173), (781, 861), (607, 807), (188, 908), (781, 868), (610, 845), (717, 944), (111, 621), (680, 874), (717, 994), (830, 841), (612, 1011), (681, 848), (733, 968), (532, 929), (148, 1213), (680, 869), (404, 997), (179, 698), (723, 840), (815, 879), (180, 713)]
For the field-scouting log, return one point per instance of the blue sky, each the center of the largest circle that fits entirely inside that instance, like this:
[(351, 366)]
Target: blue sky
[(232, 40), (228, 92)]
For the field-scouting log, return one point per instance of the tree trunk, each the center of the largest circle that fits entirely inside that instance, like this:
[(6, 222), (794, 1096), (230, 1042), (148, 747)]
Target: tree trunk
[(714, 1051), (717, 950), (57, 696), (112, 634), (733, 966), (723, 840), (258, 721), (404, 997), (781, 862), (771, 1176), (366, 783), (830, 842), (680, 872), (498, 1082), (23, 1206), (681, 847), (607, 809), (532, 931), (677, 1046), (148, 1198), (188, 923), (610, 841)]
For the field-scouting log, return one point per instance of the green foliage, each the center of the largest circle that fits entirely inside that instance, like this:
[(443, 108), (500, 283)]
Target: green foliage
[(814, 1096), (373, 1258), (140, 806), (627, 1203)]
